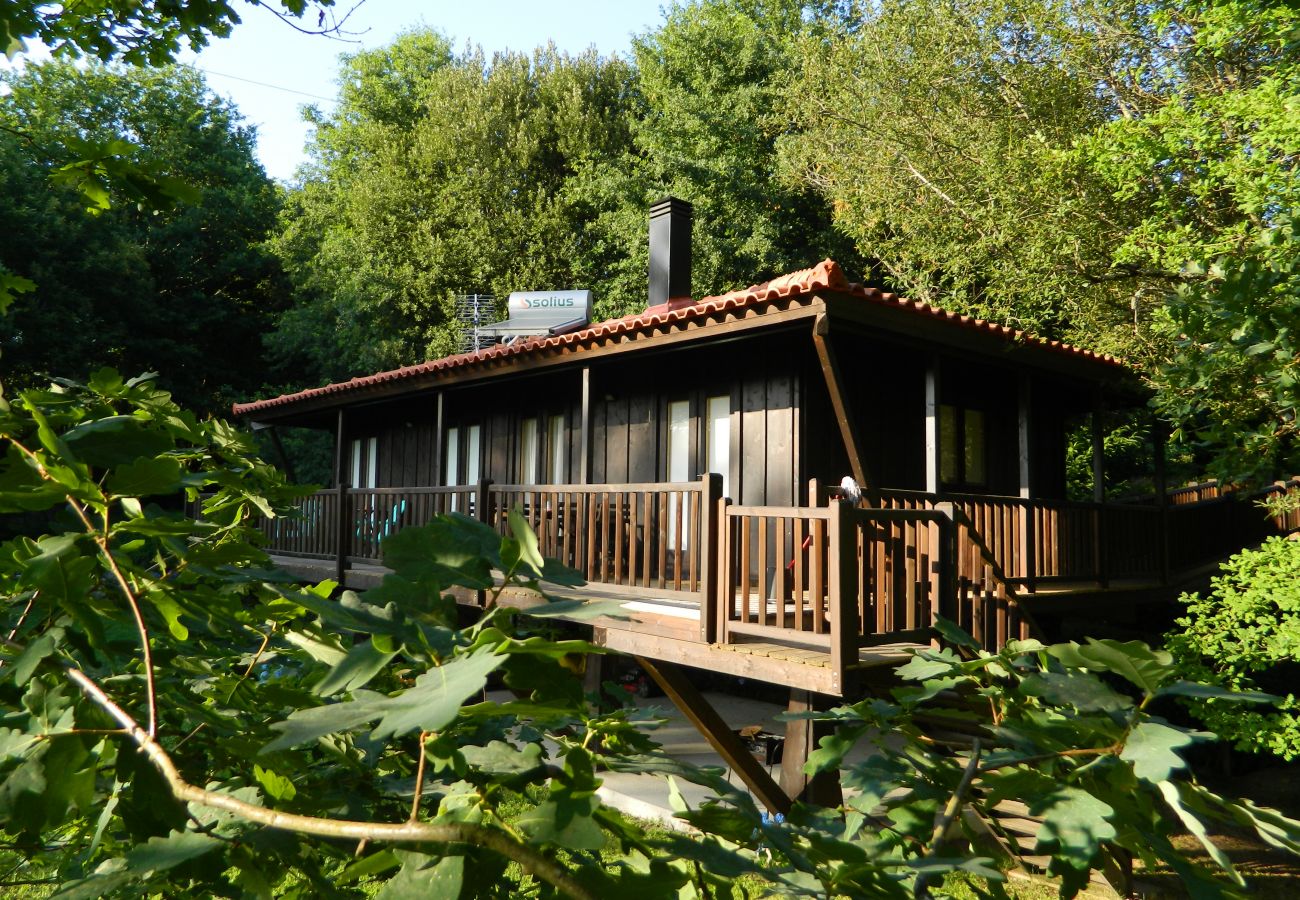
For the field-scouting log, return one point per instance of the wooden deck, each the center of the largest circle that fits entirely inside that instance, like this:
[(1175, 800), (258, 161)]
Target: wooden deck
[(809, 597)]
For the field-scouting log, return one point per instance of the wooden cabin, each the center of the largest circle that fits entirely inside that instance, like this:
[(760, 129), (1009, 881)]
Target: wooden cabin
[(685, 459)]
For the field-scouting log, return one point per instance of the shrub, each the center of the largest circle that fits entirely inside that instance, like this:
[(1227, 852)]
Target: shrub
[(1245, 635)]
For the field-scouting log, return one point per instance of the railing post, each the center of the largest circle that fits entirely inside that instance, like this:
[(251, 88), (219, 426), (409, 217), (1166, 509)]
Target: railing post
[(947, 599), (724, 577), (483, 501), (343, 522), (843, 590), (710, 524), (482, 508)]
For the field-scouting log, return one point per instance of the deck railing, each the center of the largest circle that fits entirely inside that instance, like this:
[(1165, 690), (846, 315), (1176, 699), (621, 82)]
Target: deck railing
[(828, 579), (649, 536)]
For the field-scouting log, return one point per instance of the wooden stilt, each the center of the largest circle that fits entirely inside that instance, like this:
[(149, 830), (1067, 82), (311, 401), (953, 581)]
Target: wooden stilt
[(720, 736), (801, 737)]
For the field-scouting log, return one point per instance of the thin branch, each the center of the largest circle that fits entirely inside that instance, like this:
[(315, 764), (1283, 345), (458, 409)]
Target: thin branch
[(266, 639), (101, 541), (944, 822), (334, 32), (419, 779), (530, 860), (1060, 754)]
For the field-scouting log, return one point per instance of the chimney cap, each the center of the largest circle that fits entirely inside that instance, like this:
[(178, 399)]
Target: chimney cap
[(666, 205)]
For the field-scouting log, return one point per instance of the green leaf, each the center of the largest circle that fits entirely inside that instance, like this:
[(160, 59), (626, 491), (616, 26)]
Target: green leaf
[(309, 724), (1214, 692), (529, 552), (952, 633), (424, 877), (362, 663), (161, 853), (1151, 749), (501, 760), (1083, 691), (277, 787), (1134, 660), (566, 822), (25, 665), (373, 864), (146, 477), (1074, 826), (116, 440), (437, 696), (1173, 797)]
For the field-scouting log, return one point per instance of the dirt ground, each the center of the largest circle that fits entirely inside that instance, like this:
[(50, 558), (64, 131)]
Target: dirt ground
[(1270, 874)]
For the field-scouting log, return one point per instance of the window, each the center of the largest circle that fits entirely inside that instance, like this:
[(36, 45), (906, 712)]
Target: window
[(717, 439), (556, 457), (451, 473), (962, 454), (679, 461), (365, 463), (472, 470), (528, 452)]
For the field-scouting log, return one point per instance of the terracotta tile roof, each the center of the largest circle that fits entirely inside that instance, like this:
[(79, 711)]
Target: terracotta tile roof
[(825, 276)]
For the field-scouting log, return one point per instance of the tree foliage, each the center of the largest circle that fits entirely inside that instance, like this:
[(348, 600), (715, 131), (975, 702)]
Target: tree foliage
[(134, 31), (177, 717), (1121, 175), (440, 174), (1245, 633), (185, 290)]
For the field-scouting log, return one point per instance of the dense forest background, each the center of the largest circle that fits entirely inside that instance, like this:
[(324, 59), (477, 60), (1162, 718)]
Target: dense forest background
[(1118, 175)]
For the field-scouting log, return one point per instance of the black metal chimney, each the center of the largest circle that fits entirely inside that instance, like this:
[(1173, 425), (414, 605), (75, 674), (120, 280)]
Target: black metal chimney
[(670, 251)]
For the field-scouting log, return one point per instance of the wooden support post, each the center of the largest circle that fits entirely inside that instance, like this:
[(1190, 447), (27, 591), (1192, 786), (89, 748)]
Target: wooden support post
[(932, 438), (841, 404), (717, 732), (1099, 492), (342, 518), (1159, 439), (584, 434), (842, 589), (439, 465), (710, 525), (724, 577), (947, 603), (483, 511), (801, 737), (1028, 545), (344, 525)]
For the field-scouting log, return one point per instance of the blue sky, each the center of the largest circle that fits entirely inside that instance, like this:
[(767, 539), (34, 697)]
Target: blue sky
[(264, 49)]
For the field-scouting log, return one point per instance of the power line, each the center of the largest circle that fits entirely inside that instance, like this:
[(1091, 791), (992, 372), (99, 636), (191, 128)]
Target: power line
[(274, 87)]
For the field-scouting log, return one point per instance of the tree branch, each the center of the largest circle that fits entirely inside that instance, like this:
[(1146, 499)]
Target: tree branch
[(101, 541), (530, 860)]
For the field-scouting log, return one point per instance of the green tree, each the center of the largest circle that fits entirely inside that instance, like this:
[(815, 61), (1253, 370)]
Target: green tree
[(440, 174), (186, 291), (710, 80), (1120, 175)]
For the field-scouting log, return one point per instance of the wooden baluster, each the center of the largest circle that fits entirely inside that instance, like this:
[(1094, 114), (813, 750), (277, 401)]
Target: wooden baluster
[(778, 578), (663, 537), (633, 544), (695, 542), (762, 570), (818, 575), (618, 538), (798, 574), (743, 522), (679, 525)]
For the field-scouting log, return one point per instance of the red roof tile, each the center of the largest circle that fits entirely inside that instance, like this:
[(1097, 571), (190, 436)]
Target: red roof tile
[(825, 276)]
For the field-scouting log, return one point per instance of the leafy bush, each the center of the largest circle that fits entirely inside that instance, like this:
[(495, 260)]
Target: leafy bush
[(1245, 634), (178, 718)]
